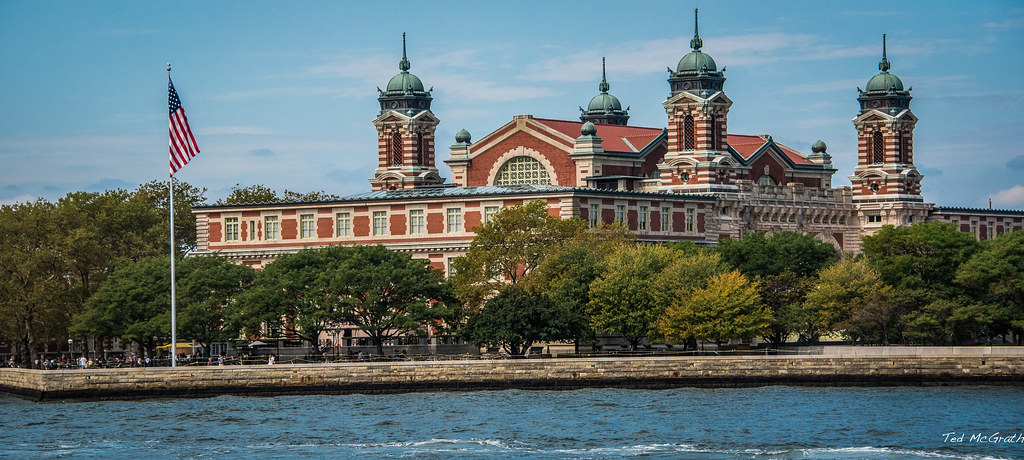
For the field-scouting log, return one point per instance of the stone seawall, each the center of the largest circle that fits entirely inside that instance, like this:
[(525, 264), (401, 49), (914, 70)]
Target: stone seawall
[(396, 377)]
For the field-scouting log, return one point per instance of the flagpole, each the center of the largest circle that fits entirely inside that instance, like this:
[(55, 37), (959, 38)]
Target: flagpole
[(174, 328)]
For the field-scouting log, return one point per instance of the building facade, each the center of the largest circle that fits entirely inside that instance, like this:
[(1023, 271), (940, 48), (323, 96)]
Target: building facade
[(690, 180)]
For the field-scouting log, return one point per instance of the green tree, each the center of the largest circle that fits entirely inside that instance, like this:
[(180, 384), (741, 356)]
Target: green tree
[(517, 318), (728, 307), (623, 300), (34, 298), (931, 325), (387, 294), (133, 304), (318, 195), (565, 275), (255, 193), (874, 319), (289, 294), (155, 195), (840, 289), (757, 254), (996, 274), (922, 258), (507, 249), (204, 287), (783, 295)]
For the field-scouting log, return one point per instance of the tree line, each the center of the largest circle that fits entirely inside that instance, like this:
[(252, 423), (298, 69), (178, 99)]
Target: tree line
[(532, 278), (96, 265)]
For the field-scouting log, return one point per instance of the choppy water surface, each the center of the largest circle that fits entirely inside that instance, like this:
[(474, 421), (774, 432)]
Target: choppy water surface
[(768, 422)]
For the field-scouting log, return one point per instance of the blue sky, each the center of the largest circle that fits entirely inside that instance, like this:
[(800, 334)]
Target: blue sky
[(282, 93)]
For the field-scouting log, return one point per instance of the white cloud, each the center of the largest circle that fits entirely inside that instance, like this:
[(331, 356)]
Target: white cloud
[(1007, 24), (1013, 196), (218, 130), (645, 57), (18, 199), (340, 92)]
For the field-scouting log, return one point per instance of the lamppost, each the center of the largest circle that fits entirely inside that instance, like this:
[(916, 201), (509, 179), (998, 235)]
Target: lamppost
[(71, 356)]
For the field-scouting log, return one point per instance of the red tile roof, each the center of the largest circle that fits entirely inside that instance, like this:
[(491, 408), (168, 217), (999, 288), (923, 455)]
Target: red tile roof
[(614, 138), (747, 145), (617, 138)]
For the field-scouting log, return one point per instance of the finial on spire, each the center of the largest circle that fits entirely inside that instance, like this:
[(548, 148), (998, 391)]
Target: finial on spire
[(696, 43), (168, 66), (404, 65), (603, 87), (884, 65)]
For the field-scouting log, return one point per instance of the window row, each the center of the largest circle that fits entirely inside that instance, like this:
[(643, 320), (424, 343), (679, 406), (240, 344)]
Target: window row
[(644, 217), (343, 224)]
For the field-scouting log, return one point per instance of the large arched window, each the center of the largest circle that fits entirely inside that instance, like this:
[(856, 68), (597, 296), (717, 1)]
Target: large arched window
[(522, 170), (396, 148), (688, 137), (877, 148), (899, 147), (766, 180)]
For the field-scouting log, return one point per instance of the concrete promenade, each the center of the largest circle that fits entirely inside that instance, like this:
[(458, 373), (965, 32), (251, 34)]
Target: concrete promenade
[(1000, 368)]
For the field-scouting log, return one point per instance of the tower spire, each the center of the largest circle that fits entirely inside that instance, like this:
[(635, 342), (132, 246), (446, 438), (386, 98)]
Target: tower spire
[(404, 65), (884, 65), (696, 43), (603, 87)]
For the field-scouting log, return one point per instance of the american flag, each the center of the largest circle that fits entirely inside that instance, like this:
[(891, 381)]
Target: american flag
[(183, 144)]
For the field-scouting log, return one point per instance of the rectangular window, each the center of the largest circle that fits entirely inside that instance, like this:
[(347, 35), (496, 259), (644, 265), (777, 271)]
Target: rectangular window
[(344, 223), (230, 229), (620, 213), (974, 228), (690, 221), (1006, 227), (417, 224), (594, 212), (380, 222), (666, 219), (874, 219), (991, 230), (489, 213), (643, 218), (271, 228), (252, 230), (454, 220), (451, 266), (307, 229)]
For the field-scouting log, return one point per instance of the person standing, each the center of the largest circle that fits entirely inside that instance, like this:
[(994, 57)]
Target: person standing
[(82, 362)]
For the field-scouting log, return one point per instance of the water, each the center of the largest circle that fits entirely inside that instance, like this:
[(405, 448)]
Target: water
[(766, 422)]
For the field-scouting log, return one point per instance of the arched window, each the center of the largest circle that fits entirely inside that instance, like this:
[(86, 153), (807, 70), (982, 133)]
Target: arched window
[(688, 139), (766, 180), (396, 148), (421, 149), (714, 132), (899, 147), (522, 170), (905, 148), (877, 148)]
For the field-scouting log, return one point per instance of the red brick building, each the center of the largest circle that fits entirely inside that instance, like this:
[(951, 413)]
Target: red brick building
[(690, 180)]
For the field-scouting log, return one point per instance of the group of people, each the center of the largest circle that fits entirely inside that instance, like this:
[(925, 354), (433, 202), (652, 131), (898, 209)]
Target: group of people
[(83, 362)]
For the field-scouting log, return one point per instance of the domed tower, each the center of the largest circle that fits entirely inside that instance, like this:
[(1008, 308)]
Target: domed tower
[(698, 154), (885, 182), (885, 130), (605, 108), (405, 133)]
